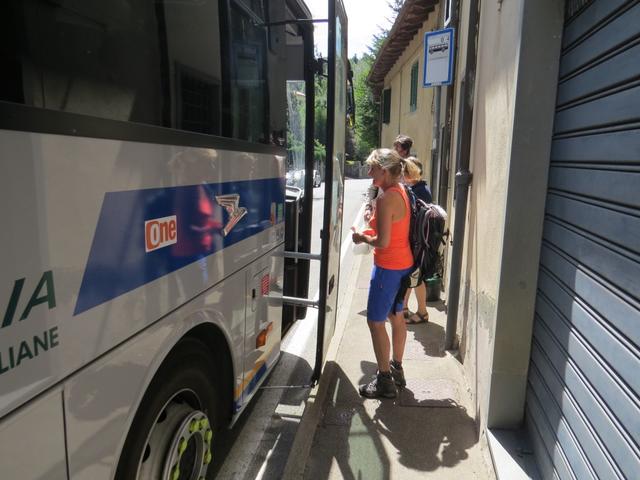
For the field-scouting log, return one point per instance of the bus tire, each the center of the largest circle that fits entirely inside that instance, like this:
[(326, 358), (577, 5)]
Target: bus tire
[(171, 434)]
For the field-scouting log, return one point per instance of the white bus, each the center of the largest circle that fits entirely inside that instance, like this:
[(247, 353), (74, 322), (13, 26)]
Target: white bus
[(143, 204)]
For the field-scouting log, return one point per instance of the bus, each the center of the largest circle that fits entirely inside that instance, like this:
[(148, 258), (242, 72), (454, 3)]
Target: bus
[(147, 227)]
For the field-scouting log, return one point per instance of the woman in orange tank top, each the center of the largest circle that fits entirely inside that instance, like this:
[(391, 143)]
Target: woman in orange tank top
[(392, 262)]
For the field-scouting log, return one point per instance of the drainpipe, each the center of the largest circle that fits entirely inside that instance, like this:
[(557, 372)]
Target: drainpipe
[(435, 144), (400, 104), (463, 175), (380, 114)]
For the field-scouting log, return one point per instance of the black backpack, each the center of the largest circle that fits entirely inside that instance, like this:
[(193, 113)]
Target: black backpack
[(426, 236)]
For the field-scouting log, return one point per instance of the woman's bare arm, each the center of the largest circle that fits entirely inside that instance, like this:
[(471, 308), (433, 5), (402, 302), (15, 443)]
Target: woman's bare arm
[(386, 212)]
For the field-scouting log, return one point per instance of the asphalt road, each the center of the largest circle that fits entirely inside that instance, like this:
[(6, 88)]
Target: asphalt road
[(258, 446), (354, 194)]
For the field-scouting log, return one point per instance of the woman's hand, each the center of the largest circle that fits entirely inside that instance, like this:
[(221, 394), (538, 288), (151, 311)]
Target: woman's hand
[(358, 237)]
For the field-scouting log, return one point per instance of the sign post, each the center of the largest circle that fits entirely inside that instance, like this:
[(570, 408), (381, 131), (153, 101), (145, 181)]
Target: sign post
[(438, 58)]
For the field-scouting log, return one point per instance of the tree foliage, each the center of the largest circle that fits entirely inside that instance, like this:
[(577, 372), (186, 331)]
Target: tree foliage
[(320, 126), (364, 136), (295, 124), (367, 107), (395, 6)]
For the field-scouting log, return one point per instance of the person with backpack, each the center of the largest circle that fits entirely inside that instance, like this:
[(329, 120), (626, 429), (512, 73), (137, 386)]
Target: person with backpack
[(393, 261), (402, 145), (422, 192)]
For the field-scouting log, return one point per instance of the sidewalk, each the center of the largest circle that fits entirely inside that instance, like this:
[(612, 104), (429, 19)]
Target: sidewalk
[(427, 432)]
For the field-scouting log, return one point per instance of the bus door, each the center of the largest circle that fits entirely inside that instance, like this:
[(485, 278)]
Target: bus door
[(337, 96), (299, 188), (300, 76)]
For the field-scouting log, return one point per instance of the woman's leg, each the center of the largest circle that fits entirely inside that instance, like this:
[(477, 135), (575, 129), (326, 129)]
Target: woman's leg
[(381, 345), (398, 335), (383, 385), (405, 305), (421, 297)]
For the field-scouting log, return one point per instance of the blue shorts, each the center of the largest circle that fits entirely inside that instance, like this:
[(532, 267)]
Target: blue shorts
[(383, 290)]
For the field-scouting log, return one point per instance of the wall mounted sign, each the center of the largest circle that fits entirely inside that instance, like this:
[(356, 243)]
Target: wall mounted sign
[(438, 58)]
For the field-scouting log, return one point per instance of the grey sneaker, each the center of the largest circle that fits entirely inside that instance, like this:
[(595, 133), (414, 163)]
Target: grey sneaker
[(397, 372), (381, 386)]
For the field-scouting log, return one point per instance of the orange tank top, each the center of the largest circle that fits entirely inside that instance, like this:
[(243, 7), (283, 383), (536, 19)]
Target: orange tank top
[(397, 255)]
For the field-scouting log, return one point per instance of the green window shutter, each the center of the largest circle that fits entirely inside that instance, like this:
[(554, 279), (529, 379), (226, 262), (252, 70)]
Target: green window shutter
[(386, 105), (413, 99)]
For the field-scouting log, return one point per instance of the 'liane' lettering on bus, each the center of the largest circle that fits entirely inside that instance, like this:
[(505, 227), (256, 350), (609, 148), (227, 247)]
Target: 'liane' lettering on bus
[(29, 349), (43, 293), (160, 232)]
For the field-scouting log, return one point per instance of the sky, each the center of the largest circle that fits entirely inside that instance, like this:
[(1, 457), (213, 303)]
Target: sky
[(365, 18)]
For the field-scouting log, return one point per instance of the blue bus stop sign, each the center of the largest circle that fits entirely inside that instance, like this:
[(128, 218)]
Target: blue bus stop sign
[(438, 58)]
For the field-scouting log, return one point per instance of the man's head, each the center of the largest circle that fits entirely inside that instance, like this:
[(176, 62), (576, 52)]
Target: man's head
[(402, 145)]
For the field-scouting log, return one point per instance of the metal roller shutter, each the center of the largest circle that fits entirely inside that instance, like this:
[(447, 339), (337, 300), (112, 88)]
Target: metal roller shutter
[(583, 395)]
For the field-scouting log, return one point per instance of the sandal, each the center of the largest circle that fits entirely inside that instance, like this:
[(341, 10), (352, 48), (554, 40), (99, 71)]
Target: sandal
[(421, 318), (406, 313)]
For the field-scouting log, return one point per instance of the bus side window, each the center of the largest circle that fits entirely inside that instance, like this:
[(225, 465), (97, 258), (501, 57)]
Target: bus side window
[(89, 58), (142, 61), (252, 76), (205, 66), (194, 65), (247, 76)]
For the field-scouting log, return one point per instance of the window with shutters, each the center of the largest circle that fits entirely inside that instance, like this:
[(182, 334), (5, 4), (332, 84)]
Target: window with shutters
[(386, 105), (413, 97)]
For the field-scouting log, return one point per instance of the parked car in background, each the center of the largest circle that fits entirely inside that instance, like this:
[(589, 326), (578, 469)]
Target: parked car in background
[(295, 178)]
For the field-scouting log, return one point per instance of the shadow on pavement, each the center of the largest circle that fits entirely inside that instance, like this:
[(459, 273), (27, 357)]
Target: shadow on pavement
[(360, 438), (439, 305), (431, 336), (347, 438), (424, 437)]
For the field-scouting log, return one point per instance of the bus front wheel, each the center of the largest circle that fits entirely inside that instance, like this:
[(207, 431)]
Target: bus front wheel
[(171, 435)]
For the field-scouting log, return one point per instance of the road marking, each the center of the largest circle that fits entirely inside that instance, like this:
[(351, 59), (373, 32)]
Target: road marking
[(263, 468)]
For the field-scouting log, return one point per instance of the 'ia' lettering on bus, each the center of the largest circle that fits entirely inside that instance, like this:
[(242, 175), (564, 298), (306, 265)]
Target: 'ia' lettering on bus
[(43, 293), (13, 355)]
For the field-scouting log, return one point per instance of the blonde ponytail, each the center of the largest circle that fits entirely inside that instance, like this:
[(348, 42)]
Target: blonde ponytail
[(412, 172)]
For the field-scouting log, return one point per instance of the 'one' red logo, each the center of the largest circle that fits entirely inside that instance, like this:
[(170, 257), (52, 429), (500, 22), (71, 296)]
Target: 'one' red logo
[(160, 232)]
